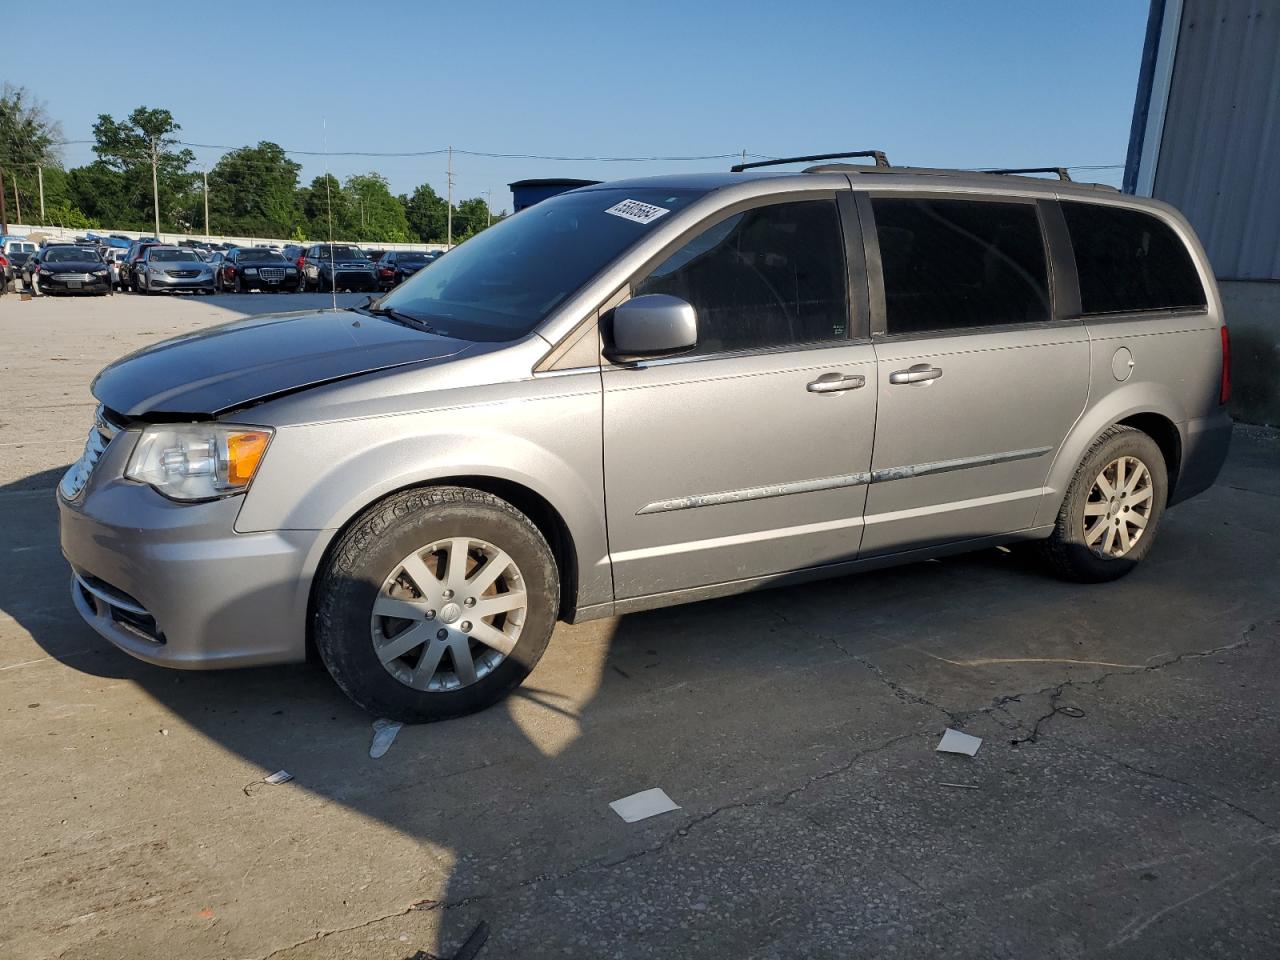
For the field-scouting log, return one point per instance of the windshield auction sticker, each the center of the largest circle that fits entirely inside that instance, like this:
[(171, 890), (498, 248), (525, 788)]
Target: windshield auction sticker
[(637, 211)]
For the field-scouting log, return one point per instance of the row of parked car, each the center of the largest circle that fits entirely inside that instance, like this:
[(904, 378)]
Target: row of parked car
[(149, 266)]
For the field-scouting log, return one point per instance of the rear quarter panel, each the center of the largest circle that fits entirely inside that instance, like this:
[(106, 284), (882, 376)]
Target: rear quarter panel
[(1177, 362)]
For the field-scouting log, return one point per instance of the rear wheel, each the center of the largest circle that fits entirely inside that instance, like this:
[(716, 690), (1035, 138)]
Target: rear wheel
[(1113, 507), (435, 603)]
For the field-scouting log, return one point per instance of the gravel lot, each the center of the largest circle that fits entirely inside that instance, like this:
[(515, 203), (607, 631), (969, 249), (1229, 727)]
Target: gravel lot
[(1125, 802)]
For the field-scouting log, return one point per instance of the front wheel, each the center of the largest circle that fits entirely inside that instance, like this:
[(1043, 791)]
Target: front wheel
[(435, 603), (1113, 507)]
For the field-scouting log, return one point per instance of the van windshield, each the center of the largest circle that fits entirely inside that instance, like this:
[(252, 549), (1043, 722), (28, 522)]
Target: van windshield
[(503, 282)]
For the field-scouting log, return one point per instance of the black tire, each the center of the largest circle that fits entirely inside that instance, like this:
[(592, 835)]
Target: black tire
[(369, 551), (239, 285), (1065, 551)]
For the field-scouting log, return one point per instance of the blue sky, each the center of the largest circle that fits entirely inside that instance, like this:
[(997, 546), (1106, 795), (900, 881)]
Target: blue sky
[(964, 84)]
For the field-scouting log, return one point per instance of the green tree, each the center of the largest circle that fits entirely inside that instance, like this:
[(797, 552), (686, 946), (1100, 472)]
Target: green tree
[(103, 195), (324, 193), (471, 217), (427, 214), (253, 191), (379, 216), (62, 214), (28, 140), (145, 149)]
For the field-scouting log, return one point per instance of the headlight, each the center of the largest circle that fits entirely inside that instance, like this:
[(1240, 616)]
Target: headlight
[(101, 273), (250, 271), (198, 461), (291, 270)]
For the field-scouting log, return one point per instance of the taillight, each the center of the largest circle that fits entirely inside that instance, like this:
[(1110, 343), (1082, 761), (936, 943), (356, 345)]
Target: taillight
[(231, 271), (1224, 392)]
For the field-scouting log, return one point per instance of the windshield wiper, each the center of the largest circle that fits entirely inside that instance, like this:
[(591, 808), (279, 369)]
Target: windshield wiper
[(395, 316)]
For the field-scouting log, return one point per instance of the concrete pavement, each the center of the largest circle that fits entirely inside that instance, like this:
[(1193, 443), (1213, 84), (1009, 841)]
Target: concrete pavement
[(1125, 802)]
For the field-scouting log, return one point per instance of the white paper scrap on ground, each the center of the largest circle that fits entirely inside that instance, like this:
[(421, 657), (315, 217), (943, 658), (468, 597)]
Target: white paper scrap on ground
[(646, 803), (384, 734), (953, 741), (280, 776)]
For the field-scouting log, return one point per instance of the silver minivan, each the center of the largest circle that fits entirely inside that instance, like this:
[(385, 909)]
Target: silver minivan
[(647, 392)]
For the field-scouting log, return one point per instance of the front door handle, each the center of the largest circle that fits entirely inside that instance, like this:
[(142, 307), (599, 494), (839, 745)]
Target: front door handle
[(918, 373), (836, 383)]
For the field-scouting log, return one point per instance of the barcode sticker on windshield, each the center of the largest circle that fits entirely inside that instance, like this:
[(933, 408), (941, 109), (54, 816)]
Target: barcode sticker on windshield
[(637, 211)]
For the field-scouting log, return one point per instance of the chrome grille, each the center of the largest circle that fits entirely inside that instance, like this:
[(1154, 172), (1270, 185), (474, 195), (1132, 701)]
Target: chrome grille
[(183, 274), (73, 277), (100, 434), (271, 273)]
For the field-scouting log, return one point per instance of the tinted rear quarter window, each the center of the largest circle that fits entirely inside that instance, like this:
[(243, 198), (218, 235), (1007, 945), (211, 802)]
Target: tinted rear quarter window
[(1129, 261), (955, 264)]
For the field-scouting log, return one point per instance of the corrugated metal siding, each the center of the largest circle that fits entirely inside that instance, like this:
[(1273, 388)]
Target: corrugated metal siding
[(1220, 155)]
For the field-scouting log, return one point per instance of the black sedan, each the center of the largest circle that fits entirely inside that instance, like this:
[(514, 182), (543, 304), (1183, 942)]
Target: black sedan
[(66, 270), (397, 266), (257, 268)]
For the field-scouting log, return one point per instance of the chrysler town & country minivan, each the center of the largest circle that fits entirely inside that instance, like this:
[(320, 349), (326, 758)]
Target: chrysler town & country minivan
[(647, 392)]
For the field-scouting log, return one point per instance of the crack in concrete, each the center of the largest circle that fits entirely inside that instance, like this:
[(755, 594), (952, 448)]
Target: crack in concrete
[(322, 934), (1157, 775), (902, 693), (1056, 691), (599, 864)]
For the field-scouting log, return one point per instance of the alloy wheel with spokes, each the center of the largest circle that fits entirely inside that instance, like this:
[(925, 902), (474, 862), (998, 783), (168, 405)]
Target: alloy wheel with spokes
[(435, 602), (1112, 509), (1118, 508), (448, 614)]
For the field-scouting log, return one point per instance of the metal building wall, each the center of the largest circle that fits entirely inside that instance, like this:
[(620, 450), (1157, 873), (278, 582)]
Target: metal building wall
[(1219, 157)]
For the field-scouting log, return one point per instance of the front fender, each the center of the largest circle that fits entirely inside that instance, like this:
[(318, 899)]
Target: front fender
[(320, 476)]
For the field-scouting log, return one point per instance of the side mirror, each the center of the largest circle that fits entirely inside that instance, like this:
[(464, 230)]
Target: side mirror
[(652, 326)]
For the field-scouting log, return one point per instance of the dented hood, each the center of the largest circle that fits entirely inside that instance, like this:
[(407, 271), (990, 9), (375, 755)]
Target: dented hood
[(221, 368)]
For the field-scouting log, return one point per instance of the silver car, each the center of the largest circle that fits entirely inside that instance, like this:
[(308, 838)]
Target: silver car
[(643, 393), (173, 268)]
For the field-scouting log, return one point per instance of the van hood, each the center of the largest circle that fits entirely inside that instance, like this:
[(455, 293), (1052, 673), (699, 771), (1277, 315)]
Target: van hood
[(206, 374)]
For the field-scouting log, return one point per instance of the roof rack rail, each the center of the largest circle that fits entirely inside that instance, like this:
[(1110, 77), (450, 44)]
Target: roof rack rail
[(1061, 172), (878, 155)]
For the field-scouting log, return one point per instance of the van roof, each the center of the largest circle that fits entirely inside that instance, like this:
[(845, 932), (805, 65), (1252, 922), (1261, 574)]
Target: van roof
[(880, 170)]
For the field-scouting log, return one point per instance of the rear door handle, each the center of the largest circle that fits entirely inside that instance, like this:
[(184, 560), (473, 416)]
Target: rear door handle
[(836, 383), (919, 373)]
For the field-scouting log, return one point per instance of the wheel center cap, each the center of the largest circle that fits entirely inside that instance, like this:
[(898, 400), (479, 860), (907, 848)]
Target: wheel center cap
[(450, 612)]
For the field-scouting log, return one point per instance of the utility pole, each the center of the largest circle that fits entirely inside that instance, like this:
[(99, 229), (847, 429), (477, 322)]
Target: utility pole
[(488, 206), (40, 178), (155, 182), (205, 174), (449, 237), (4, 214), (360, 197)]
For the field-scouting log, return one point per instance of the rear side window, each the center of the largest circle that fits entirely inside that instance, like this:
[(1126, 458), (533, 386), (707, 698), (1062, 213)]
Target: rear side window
[(951, 264), (1128, 260), (769, 277)]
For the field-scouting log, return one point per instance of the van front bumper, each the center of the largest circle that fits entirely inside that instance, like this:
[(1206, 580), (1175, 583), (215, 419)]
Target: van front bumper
[(174, 585)]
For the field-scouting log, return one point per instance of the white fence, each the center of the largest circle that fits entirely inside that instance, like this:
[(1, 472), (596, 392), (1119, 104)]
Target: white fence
[(64, 233)]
